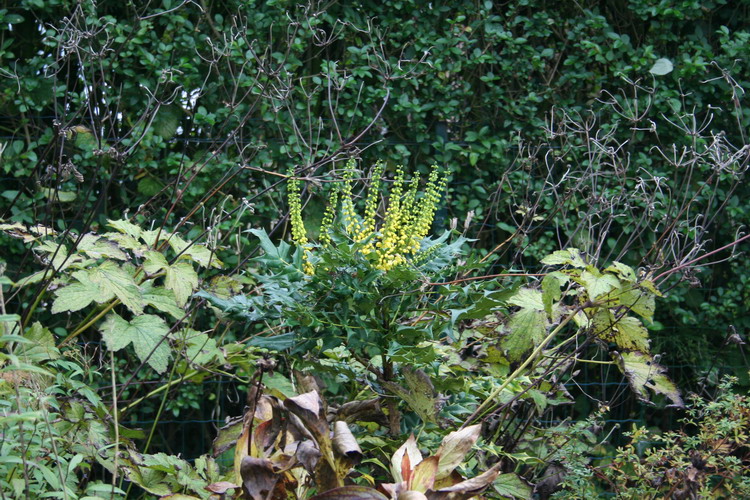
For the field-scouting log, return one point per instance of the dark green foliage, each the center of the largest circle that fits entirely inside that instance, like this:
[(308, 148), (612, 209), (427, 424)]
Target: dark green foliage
[(115, 107), (617, 127)]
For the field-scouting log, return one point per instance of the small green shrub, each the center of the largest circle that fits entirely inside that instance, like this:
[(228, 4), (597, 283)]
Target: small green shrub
[(709, 457)]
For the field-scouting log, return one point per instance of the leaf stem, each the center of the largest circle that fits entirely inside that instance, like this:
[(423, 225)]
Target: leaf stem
[(159, 389), (520, 369), (93, 320)]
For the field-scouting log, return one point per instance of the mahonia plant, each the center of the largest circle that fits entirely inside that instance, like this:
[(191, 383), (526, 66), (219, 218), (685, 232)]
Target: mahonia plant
[(388, 241)]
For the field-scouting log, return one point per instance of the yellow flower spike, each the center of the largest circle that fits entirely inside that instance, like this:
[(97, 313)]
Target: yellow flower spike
[(299, 235), (347, 201), (329, 216), (405, 224), (371, 203)]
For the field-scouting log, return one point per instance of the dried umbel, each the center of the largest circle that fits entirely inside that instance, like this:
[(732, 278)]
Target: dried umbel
[(391, 238)]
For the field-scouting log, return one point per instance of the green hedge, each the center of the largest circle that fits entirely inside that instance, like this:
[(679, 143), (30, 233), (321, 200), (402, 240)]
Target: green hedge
[(122, 108)]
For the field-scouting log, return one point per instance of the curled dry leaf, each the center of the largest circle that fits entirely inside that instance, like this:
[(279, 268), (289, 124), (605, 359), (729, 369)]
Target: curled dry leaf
[(308, 407), (258, 477), (345, 443), (221, 487), (466, 489), (351, 493), (308, 455)]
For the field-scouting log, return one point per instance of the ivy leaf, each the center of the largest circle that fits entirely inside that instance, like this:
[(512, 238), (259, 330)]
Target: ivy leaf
[(126, 227), (627, 332), (76, 296), (181, 278), (570, 256), (598, 284), (97, 247), (161, 299), (644, 374), (145, 332), (527, 329), (110, 278), (642, 302)]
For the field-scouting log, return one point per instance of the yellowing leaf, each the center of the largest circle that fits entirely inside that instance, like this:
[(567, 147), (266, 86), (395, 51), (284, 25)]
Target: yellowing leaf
[(126, 227), (161, 299), (128, 242), (624, 272), (423, 476), (627, 332), (570, 256), (645, 374), (99, 284), (528, 298), (551, 290), (631, 334), (150, 237), (147, 334), (641, 302), (77, 296), (97, 247), (198, 253), (420, 395), (154, 262), (181, 278), (111, 278), (598, 284), (27, 234), (527, 329), (454, 448)]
